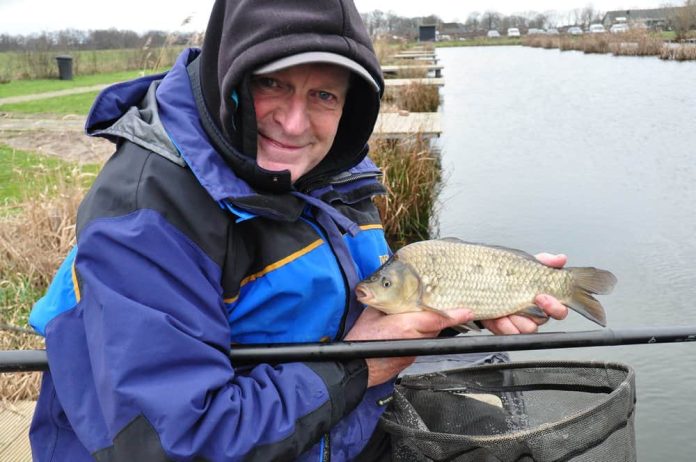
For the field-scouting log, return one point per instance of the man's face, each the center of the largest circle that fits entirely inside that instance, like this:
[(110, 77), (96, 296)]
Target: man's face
[(297, 115)]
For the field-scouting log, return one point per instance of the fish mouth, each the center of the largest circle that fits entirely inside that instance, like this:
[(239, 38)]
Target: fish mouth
[(363, 294)]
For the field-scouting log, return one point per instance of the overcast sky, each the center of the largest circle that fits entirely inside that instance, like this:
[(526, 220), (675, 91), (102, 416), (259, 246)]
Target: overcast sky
[(30, 16)]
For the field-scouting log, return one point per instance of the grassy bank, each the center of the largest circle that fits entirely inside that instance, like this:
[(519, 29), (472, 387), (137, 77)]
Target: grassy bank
[(24, 175), (42, 65), (39, 197), (77, 104), (36, 86), (480, 42)]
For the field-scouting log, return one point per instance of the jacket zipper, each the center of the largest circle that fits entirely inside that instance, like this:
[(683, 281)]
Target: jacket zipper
[(308, 186), (326, 448)]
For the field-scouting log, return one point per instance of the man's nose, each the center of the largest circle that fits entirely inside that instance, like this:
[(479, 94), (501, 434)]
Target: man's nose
[(293, 116)]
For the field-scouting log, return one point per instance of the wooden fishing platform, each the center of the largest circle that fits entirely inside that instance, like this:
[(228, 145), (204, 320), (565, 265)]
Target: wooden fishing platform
[(15, 419), (416, 57), (389, 83), (404, 124), (394, 70)]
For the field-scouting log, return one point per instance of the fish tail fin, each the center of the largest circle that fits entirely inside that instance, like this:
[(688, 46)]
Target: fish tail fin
[(593, 280), (590, 281)]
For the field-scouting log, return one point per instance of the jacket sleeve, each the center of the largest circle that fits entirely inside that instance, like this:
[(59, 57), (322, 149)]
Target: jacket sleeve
[(140, 365)]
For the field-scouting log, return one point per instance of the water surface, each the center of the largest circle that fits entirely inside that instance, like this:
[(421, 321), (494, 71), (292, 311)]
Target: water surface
[(593, 156)]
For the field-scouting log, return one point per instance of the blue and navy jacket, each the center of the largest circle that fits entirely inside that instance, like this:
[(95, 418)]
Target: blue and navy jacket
[(177, 261)]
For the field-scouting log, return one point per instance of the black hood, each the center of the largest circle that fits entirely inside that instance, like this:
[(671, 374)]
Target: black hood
[(243, 35)]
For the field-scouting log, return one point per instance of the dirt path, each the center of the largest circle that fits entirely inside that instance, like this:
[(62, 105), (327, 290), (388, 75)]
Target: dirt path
[(61, 137), (51, 94)]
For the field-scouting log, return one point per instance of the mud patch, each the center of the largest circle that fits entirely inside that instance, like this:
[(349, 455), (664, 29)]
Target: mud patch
[(68, 145)]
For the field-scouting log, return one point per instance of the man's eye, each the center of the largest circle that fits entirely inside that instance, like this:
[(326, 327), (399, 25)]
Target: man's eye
[(266, 82), (326, 98)]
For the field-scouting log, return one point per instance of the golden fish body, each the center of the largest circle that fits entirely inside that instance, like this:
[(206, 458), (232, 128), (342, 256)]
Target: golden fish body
[(444, 274)]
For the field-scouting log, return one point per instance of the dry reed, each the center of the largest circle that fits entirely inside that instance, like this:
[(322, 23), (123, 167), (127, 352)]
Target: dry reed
[(414, 97), (35, 236), (633, 43), (412, 175), (678, 52)]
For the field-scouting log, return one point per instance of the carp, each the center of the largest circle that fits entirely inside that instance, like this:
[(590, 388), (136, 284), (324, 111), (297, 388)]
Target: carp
[(443, 274)]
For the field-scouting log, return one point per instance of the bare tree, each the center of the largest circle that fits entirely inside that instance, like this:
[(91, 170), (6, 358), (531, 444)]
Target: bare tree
[(473, 22), (684, 19), (491, 20)]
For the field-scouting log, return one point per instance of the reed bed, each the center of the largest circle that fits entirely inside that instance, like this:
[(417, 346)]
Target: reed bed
[(678, 52), (414, 97), (633, 43), (35, 236), (412, 176), (42, 64)]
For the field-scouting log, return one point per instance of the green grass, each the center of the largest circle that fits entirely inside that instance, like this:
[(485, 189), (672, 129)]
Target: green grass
[(62, 105), (29, 87), (480, 42), (25, 174)]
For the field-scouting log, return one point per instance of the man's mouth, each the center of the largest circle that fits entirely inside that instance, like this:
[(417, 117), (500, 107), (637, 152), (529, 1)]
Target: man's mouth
[(279, 143)]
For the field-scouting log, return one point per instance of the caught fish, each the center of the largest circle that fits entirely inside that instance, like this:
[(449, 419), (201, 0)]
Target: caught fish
[(445, 274)]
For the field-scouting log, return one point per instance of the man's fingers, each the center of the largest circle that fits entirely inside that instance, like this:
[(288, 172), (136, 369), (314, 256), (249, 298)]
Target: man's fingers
[(500, 326), (554, 260), (551, 306), (433, 322), (510, 325)]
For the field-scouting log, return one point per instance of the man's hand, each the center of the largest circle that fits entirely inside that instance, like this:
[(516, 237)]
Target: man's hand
[(375, 325), (516, 324)]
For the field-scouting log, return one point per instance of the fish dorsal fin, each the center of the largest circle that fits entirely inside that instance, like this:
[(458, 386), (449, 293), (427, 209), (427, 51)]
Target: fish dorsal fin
[(451, 239)]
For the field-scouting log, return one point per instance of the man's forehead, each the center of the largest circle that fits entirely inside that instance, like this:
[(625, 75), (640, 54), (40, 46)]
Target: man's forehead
[(330, 73), (320, 58)]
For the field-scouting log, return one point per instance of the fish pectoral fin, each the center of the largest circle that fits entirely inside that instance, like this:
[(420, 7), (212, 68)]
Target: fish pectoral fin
[(533, 312), (442, 313)]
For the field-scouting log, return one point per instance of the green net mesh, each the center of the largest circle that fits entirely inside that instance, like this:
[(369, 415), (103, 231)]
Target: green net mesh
[(549, 411)]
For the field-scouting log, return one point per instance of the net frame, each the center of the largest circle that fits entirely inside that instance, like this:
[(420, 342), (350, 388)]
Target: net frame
[(603, 429)]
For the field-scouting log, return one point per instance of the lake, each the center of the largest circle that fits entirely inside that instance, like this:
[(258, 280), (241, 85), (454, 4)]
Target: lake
[(593, 156)]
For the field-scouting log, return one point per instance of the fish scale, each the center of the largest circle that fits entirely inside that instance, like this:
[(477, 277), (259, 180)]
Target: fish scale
[(440, 275)]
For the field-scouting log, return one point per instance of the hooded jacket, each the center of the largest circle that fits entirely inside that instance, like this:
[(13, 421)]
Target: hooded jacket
[(183, 251)]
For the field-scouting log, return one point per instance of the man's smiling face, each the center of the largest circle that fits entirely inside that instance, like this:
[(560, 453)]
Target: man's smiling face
[(297, 114)]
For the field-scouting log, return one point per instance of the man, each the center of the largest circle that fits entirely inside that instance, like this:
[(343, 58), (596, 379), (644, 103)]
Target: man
[(236, 210)]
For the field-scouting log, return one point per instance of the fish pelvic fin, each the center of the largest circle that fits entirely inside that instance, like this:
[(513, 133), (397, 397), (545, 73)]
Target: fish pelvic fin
[(533, 312), (465, 328), (590, 281)]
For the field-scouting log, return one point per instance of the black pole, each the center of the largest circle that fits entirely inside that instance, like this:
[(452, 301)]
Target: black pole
[(35, 360)]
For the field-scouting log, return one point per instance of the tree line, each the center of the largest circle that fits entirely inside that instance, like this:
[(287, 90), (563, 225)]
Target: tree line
[(478, 23), (102, 39), (388, 23)]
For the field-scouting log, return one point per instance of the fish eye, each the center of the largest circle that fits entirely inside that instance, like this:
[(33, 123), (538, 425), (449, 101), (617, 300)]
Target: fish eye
[(386, 283)]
